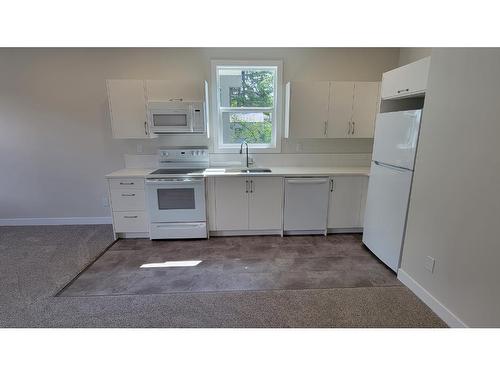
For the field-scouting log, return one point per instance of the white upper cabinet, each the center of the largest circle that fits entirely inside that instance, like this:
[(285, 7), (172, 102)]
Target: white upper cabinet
[(127, 106), (365, 108), (307, 109), (128, 102), (163, 90), (407, 80), (331, 109), (340, 109)]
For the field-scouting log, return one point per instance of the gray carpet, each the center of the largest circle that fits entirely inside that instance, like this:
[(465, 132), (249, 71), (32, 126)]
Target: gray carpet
[(36, 262)]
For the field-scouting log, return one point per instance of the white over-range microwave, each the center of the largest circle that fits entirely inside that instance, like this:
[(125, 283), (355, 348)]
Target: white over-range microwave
[(169, 117)]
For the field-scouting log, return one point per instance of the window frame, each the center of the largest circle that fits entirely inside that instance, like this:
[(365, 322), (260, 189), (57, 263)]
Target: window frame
[(277, 112)]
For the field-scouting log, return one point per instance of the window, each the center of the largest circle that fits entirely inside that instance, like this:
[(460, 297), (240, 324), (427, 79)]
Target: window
[(247, 97)]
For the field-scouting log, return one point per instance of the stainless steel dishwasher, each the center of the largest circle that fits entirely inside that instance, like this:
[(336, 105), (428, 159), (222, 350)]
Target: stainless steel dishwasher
[(306, 205)]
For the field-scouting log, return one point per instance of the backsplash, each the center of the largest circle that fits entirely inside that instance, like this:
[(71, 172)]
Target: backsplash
[(265, 160), (288, 146)]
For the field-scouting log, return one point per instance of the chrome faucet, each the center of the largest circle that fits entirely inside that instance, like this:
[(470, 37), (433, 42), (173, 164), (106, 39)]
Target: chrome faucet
[(241, 149)]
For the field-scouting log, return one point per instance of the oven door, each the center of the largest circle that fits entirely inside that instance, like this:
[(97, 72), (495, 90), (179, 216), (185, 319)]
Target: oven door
[(176, 200), (171, 120)]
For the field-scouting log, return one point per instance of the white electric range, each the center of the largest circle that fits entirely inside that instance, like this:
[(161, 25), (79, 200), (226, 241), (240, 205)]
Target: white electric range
[(175, 194)]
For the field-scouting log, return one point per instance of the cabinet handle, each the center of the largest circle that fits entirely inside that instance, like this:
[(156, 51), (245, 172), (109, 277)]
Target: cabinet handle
[(353, 127), (130, 217), (175, 99), (251, 186), (246, 186), (326, 128), (128, 195), (403, 90), (349, 130), (146, 127), (126, 183), (331, 185)]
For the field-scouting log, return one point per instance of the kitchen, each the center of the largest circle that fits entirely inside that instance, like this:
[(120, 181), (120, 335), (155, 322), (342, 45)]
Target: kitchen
[(220, 188), (213, 171), (251, 166)]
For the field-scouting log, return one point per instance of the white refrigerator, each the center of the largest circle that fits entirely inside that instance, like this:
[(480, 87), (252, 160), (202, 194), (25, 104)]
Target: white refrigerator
[(391, 172)]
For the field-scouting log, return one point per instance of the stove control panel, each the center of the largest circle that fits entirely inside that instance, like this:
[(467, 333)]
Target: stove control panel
[(185, 154)]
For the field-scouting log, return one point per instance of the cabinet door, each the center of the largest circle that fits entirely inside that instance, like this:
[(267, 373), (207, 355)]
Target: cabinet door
[(364, 191), (127, 106), (265, 203), (162, 90), (340, 110), (231, 203), (407, 80), (345, 202), (307, 109), (365, 108)]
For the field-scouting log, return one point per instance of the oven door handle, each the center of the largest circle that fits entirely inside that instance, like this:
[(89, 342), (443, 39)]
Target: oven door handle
[(173, 180)]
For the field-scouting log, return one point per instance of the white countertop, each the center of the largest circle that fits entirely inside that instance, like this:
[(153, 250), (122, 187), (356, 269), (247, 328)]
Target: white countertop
[(294, 171), (130, 172), (276, 171)]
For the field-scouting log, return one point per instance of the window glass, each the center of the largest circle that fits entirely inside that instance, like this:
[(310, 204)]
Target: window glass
[(246, 105)]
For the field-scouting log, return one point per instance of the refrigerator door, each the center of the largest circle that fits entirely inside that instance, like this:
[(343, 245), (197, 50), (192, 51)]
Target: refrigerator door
[(385, 213), (396, 135)]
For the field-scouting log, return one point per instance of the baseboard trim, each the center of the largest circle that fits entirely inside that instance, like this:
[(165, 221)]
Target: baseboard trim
[(345, 230), (304, 232), (441, 310), (228, 233), (133, 235), (56, 221)]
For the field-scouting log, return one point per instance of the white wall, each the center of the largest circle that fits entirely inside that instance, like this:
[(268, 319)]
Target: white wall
[(408, 55), (454, 213), (55, 137)]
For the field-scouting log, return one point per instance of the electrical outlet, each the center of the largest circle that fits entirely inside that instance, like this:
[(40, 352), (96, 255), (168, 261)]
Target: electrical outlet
[(429, 264), (105, 201)]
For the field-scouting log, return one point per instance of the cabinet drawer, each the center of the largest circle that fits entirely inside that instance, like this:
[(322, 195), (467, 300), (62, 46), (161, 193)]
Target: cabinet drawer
[(126, 183), (128, 200), (130, 221)]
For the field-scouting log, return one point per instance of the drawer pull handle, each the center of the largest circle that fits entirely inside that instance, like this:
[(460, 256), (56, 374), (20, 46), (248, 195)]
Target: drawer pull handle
[(128, 195), (127, 183), (400, 91), (130, 217)]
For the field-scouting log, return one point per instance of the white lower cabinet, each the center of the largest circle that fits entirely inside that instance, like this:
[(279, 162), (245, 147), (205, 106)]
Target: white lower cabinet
[(128, 199), (231, 203), (347, 200), (265, 203), (128, 206), (130, 221), (248, 203)]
